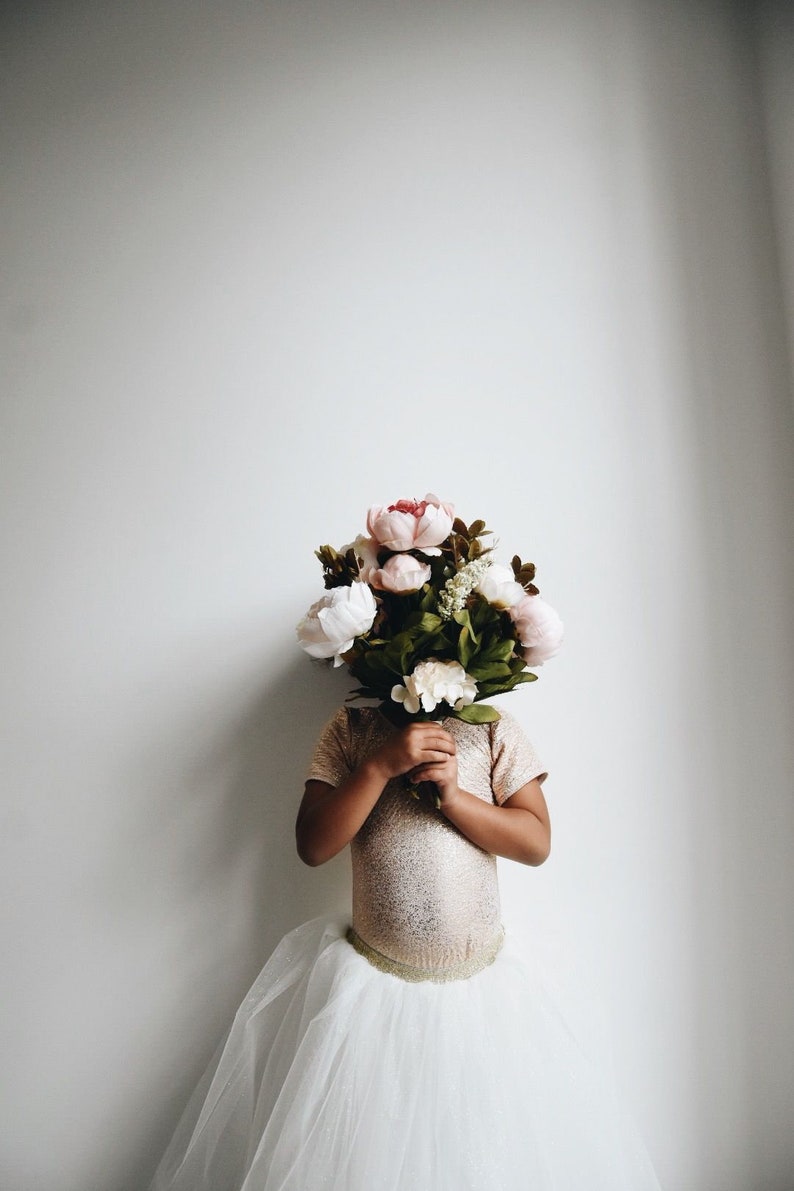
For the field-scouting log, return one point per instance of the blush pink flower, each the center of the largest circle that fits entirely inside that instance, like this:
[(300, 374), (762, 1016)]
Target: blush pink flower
[(402, 573), (411, 524), (540, 629)]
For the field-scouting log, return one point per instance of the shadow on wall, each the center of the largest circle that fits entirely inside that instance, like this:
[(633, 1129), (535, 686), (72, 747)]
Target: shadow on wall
[(218, 850), (740, 424)]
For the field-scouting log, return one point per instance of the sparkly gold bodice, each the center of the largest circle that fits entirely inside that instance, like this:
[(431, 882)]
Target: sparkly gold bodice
[(424, 896)]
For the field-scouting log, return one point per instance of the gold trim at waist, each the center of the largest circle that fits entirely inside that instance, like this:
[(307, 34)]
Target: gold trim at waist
[(459, 971)]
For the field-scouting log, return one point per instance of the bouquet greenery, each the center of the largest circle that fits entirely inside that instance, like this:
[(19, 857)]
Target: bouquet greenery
[(424, 618)]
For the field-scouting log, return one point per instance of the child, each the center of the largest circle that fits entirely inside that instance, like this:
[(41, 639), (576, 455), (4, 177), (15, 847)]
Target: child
[(413, 1049)]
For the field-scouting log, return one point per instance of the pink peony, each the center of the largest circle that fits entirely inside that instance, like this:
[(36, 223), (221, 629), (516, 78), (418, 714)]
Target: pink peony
[(402, 573), (411, 524), (540, 629)]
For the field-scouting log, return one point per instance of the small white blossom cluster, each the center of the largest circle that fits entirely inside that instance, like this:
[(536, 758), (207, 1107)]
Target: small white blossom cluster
[(452, 597)]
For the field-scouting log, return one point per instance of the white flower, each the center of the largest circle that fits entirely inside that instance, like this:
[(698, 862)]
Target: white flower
[(540, 629), (331, 625), (434, 682), (499, 587)]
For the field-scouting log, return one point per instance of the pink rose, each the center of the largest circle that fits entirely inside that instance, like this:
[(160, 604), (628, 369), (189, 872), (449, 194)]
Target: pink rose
[(411, 524), (401, 573), (540, 629)]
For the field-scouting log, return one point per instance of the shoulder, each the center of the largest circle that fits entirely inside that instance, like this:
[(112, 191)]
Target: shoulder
[(505, 729), (337, 747), (338, 721), (475, 737), (514, 755), (350, 723)]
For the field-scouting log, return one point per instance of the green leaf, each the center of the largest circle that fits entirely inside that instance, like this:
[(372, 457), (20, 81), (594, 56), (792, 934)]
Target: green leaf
[(498, 651), (501, 686), (465, 648), (383, 661), (428, 600), (425, 622), (489, 670), (463, 618), (478, 713)]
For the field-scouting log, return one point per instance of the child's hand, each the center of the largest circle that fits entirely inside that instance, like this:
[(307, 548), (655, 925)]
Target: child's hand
[(417, 749), (443, 771)]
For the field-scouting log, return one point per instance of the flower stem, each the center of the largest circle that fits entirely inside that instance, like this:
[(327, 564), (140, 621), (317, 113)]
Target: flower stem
[(426, 792)]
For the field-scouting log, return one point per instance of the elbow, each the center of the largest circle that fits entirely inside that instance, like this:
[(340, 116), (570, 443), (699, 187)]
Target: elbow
[(313, 849), (309, 853), (538, 853), (308, 841)]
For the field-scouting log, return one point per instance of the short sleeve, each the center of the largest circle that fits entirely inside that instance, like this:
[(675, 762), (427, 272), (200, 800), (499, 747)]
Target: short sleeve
[(332, 759), (514, 761)]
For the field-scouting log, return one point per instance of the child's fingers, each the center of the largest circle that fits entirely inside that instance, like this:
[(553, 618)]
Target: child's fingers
[(425, 773), (419, 748), (441, 743), (433, 757), (429, 771), (431, 736)]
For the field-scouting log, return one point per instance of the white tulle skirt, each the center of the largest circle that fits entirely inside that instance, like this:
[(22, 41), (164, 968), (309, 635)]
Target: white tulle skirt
[(337, 1075)]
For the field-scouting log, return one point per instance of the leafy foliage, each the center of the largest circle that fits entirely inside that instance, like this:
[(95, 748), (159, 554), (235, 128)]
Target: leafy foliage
[(339, 570)]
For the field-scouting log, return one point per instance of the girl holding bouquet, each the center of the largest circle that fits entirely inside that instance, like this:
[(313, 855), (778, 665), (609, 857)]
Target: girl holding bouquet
[(413, 1045)]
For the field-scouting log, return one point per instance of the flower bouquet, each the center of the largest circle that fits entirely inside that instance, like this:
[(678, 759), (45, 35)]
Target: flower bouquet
[(426, 621)]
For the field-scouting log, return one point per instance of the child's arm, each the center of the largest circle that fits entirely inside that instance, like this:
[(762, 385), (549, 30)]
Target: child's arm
[(519, 829), (329, 816)]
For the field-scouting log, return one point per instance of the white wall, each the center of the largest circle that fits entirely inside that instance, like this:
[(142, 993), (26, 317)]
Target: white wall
[(266, 264)]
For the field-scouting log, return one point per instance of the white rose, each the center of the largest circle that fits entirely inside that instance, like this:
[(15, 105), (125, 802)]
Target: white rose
[(434, 682), (331, 625), (499, 587)]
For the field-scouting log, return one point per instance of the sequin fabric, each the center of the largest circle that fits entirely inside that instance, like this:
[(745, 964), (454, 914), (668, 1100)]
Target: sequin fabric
[(424, 897)]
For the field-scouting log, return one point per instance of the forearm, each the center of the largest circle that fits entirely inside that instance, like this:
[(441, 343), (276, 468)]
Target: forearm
[(513, 832), (330, 816)]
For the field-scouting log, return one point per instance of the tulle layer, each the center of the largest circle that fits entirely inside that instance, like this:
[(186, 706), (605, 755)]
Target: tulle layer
[(337, 1075)]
